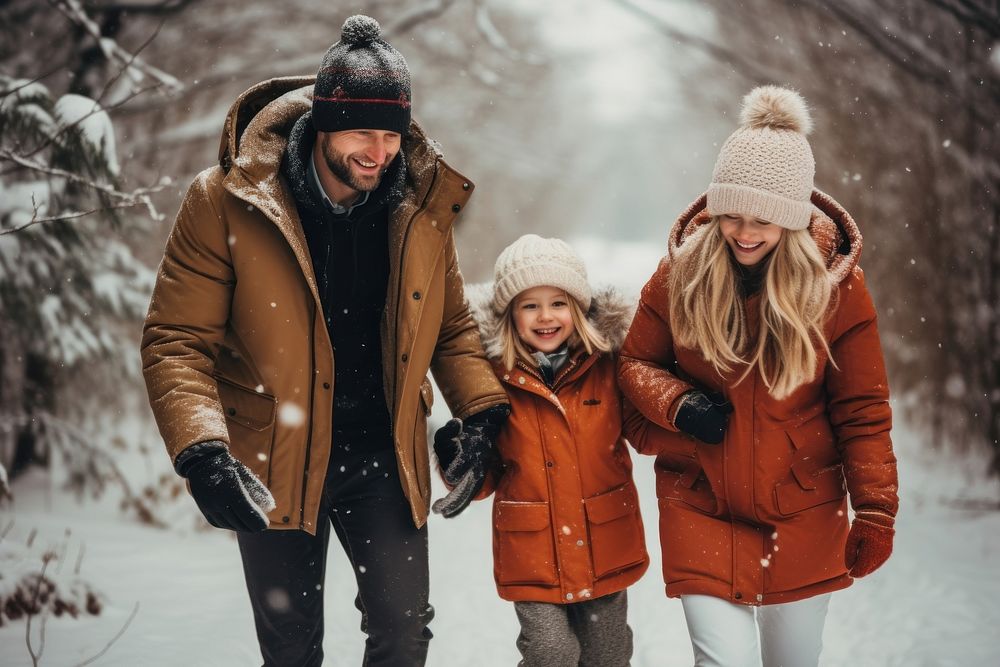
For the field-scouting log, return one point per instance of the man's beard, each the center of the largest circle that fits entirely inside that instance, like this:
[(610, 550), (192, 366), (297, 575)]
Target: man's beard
[(340, 165)]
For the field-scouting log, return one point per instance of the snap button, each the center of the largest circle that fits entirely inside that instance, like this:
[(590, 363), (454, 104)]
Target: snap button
[(231, 412), (520, 380), (416, 295), (466, 186), (326, 385), (579, 543), (456, 207), (405, 357), (549, 464), (759, 597), (285, 519), (738, 596)]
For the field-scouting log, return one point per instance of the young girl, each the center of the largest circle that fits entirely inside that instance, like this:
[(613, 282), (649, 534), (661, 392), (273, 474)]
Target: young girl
[(567, 535), (755, 359)]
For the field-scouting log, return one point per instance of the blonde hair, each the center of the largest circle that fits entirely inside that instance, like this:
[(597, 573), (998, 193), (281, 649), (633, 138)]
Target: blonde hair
[(513, 349), (708, 310)]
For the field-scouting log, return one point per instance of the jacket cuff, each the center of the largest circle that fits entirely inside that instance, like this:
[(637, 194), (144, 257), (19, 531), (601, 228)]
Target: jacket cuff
[(195, 453), (494, 416), (675, 407), (875, 515)]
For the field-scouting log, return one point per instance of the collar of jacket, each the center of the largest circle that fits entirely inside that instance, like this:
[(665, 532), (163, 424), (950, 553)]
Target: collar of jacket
[(252, 146), (831, 226), (528, 378)]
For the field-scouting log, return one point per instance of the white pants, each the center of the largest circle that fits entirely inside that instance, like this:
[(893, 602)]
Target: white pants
[(724, 634)]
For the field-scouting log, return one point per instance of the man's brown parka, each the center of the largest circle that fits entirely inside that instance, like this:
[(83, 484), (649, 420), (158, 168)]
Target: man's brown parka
[(235, 347)]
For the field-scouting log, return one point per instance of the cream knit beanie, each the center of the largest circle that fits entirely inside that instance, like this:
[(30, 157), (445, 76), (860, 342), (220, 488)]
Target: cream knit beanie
[(765, 169), (532, 261)]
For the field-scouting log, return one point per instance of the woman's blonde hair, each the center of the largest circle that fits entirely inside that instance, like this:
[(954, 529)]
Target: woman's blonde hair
[(708, 311), (584, 335)]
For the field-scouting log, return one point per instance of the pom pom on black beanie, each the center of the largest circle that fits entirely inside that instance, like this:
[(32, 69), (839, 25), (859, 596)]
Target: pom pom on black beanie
[(363, 82)]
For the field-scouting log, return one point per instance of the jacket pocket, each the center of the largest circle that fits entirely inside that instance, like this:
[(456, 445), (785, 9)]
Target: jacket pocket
[(524, 550), (808, 489), (250, 421), (690, 487), (616, 536)]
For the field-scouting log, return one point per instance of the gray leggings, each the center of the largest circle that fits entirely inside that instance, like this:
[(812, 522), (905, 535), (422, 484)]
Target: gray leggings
[(592, 633)]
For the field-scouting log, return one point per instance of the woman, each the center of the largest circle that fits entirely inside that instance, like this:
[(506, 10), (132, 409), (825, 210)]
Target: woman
[(755, 362)]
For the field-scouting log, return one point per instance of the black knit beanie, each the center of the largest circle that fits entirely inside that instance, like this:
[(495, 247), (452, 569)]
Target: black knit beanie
[(363, 82)]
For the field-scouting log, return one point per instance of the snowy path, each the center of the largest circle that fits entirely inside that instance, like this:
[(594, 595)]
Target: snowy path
[(933, 604)]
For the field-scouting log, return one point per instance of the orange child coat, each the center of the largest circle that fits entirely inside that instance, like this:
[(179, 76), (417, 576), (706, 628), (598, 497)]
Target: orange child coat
[(762, 517), (566, 523)]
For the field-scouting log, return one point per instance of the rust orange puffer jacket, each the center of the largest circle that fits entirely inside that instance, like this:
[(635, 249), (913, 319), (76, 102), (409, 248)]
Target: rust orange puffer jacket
[(566, 523), (762, 517)]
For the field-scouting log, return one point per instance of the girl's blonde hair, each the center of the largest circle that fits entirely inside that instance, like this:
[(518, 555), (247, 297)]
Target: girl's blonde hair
[(584, 335), (708, 311)]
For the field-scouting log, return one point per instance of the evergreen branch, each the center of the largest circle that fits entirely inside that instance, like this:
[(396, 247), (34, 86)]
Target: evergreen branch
[(98, 107), (10, 92)]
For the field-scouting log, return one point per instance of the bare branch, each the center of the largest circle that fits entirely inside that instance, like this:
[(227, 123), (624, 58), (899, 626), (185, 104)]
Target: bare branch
[(137, 197), (52, 71), (486, 28), (971, 13), (67, 216), (135, 610), (155, 7), (35, 657), (410, 18), (137, 67), (740, 65), (130, 63)]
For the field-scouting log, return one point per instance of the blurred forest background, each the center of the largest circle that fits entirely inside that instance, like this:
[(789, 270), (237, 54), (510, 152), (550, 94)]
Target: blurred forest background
[(595, 119)]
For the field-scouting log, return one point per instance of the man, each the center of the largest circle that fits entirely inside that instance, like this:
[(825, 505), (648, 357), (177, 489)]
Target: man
[(308, 284)]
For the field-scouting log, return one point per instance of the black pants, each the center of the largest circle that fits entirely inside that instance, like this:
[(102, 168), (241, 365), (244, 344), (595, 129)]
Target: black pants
[(285, 570)]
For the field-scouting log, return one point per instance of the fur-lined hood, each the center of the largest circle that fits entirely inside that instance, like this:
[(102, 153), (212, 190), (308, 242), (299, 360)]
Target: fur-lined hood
[(610, 312), (831, 226)]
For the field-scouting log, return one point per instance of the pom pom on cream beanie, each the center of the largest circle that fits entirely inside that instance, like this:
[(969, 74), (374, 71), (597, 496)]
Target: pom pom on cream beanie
[(765, 168)]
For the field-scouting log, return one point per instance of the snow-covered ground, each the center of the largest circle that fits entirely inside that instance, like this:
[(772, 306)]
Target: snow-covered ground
[(934, 603)]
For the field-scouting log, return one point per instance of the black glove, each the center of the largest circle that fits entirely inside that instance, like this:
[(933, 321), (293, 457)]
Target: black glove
[(466, 452), (703, 415), (227, 493)]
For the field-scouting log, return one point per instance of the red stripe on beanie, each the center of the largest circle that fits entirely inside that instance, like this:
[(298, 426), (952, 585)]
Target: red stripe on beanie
[(400, 102)]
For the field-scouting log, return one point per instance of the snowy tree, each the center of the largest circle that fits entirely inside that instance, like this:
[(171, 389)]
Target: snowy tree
[(71, 285)]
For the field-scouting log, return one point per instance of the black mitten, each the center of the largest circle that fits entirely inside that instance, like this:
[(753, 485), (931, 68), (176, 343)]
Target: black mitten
[(226, 491), (704, 416), (466, 452)]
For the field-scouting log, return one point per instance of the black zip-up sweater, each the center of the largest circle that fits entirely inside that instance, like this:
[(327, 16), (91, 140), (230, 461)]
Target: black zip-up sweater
[(350, 257)]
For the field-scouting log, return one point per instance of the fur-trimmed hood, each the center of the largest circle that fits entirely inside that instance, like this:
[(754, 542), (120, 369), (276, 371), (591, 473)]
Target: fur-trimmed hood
[(610, 312), (831, 226)]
